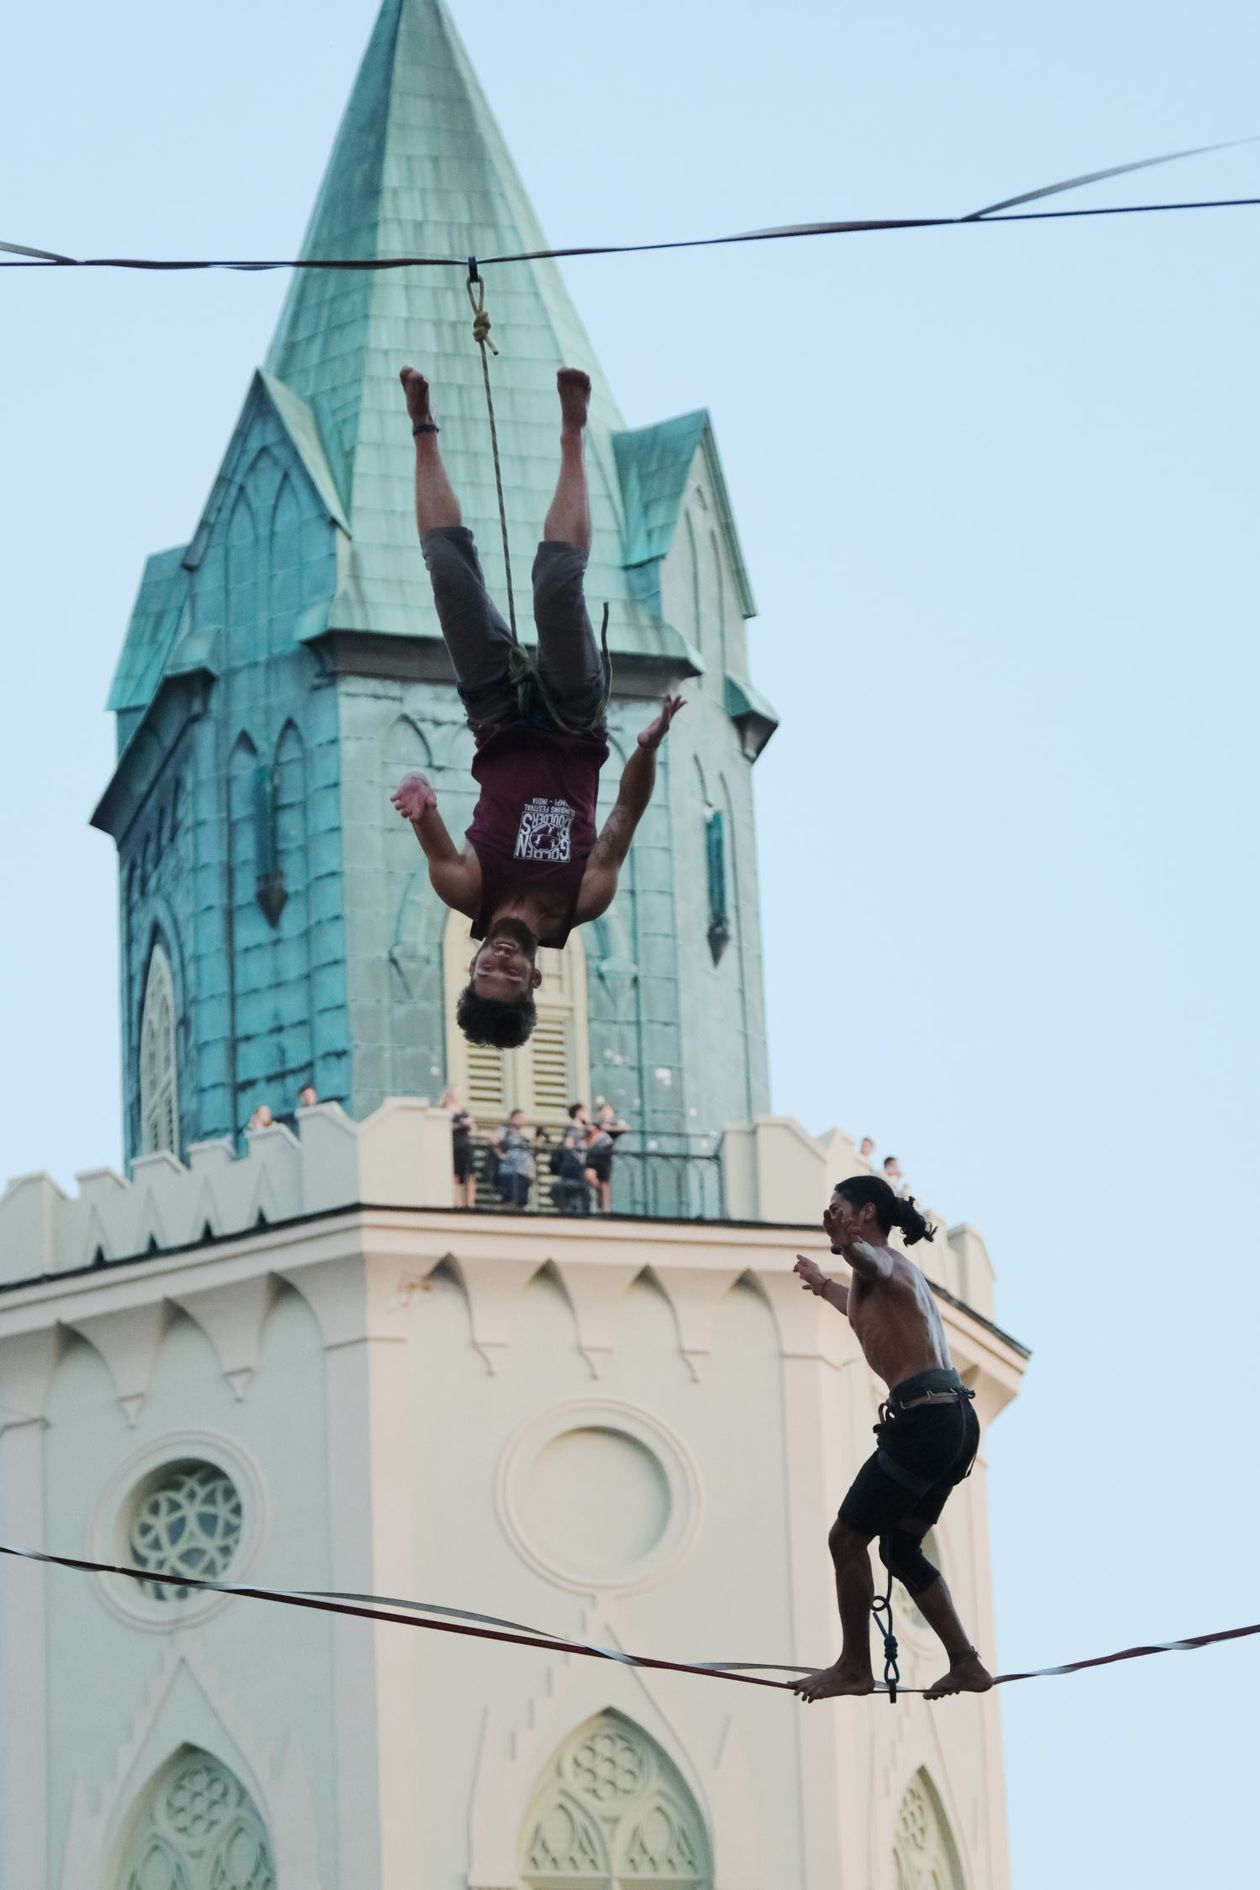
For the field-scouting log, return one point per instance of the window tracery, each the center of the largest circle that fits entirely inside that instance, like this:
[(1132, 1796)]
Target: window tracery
[(925, 1856), (610, 1812), (200, 1830), (159, 1070)]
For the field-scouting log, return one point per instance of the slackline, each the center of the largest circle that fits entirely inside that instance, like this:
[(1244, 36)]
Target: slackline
[(1008, 210), (489, 1627)]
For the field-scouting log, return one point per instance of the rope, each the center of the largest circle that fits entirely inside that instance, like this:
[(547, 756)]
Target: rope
[(481, 335), (882, 1606), (1006, 211), (489, 1627)]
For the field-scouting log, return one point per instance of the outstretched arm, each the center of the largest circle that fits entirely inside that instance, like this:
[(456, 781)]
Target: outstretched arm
[(608, 855), (815, 1281), (869, 1263), (453, 877)]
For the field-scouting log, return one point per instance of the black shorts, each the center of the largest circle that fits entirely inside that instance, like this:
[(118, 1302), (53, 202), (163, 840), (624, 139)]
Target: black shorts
[(922, 1455), (465, 1161)]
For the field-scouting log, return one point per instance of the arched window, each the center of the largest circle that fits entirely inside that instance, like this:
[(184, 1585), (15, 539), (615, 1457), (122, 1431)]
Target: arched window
[(925, 1856), (197, 1829), (612, 1811), (159, 1067), (546, 1074)]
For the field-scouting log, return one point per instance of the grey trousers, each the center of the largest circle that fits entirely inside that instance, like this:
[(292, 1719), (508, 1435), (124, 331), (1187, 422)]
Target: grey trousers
[(480, 642)]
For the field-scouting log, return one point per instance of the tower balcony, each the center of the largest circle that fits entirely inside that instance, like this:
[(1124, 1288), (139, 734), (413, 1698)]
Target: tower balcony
[(769, 1173)]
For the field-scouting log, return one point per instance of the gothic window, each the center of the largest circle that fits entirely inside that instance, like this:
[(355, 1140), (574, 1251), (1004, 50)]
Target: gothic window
[(693, 575), (612, 1812), (285, 601), (924, 1854), (719, 580), (184, 1520), (199, 1830), (159, 1069), (546, 1074), (719, 932)]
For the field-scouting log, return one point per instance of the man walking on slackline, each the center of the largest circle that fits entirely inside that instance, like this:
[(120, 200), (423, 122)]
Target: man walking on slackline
[(533, 867), (928, 1436)]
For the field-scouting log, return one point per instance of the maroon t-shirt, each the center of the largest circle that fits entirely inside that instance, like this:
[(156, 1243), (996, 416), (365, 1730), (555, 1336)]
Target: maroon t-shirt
[(534, 824)]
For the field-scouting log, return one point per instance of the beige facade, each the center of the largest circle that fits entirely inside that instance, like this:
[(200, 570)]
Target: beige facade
[(305, 1363)]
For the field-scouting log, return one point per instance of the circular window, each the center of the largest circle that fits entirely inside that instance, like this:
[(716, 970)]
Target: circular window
[(185, 1519), (599, 1495), (598, 1499)]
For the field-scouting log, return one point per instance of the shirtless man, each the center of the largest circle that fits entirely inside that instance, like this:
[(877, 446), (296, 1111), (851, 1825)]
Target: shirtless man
[(928, 1436), (532, 867)]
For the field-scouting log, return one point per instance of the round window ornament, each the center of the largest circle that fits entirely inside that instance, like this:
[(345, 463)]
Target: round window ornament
[(598, 1495), (186, 1519), (187, 1507)]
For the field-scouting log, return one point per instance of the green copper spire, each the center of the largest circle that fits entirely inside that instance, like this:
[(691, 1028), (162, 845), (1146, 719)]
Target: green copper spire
[(419, 168)]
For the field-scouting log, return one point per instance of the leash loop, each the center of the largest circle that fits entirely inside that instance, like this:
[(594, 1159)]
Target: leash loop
[(476, 288), (882, 1609)]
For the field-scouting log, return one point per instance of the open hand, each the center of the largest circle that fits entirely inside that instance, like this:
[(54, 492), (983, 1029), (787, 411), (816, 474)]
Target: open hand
[(812, 1277), (413, 797), (839, 1225), (655, 732)]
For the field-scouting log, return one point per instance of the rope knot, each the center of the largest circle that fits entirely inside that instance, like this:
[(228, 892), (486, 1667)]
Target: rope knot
[(481, 321)]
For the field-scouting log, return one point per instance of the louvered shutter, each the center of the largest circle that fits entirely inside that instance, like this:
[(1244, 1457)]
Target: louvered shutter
[(485, 1086)]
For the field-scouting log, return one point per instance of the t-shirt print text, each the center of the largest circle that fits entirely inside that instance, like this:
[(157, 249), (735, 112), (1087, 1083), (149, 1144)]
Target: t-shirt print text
[(544, 832)]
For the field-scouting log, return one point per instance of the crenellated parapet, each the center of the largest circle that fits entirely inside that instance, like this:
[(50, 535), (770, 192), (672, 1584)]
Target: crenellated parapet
[(773, 1173)]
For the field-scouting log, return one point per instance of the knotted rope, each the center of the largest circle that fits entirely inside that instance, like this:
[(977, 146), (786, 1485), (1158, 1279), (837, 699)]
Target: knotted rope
[(481, 335), (882, 1609)]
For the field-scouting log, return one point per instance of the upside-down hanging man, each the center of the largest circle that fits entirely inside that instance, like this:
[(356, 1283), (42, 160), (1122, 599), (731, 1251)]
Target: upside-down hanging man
[(533, 866), (928, 1436)]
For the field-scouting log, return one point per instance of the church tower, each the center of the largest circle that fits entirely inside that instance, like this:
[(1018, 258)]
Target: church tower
[(288, 1360), (284, 668)]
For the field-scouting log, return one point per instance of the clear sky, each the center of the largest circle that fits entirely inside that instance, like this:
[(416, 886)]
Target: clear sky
[(997, 490)]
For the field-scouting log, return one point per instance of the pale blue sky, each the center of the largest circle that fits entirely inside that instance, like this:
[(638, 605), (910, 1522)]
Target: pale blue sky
[(997, 491)]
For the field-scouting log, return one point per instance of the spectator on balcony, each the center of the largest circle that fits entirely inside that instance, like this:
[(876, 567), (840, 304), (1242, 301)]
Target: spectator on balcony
[(894, 1176), (516, 1162), (463, 1151), (262, 1117), (308, 1096), (600, 1147), (571, 1193), (866, 1149)]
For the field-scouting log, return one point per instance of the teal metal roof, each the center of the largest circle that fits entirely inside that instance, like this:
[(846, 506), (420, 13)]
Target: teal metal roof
[(153, 630), (419, 167), (654, 463)]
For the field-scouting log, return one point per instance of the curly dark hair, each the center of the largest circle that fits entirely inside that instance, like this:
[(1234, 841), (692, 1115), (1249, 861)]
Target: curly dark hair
[(891, 1210), (495, 1021)]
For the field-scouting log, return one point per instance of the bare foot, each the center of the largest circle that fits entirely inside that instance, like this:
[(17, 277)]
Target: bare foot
[(575, 398), (416, 388), (830, 1683), (966, 1675)]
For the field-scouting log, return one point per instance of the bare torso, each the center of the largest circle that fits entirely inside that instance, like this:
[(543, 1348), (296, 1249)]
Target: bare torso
[(896, 1320), (542, 914)]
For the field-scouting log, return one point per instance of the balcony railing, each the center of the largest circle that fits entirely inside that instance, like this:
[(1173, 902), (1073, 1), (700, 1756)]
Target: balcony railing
[(675, 1177)]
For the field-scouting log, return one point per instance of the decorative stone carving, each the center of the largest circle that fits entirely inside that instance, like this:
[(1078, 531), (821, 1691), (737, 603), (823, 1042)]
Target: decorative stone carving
[(201, 1831), (610, 1810)]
